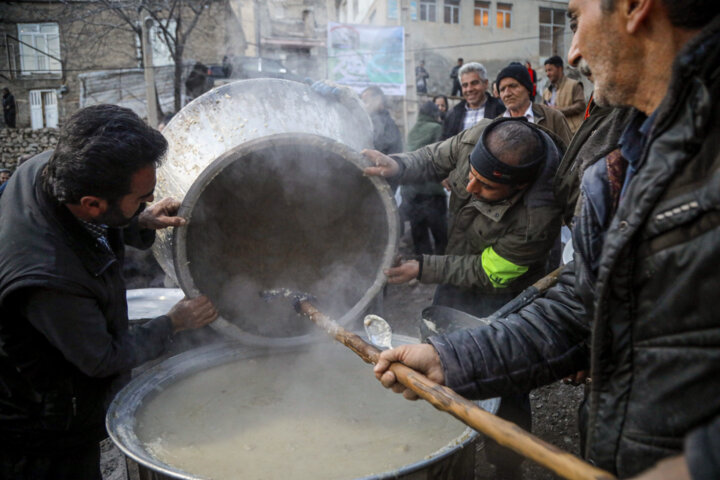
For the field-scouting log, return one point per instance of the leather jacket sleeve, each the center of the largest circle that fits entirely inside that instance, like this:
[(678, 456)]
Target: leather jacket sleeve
[(542, 343)]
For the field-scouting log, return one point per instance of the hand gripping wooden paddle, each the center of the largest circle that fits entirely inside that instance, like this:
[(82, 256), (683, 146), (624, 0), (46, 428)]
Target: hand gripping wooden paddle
[(503, 432)]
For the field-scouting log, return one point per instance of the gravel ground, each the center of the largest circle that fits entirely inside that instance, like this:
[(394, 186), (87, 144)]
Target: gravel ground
[(554, 406)]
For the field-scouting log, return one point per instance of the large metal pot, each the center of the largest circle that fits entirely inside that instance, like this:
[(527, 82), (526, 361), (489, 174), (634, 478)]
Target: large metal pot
[(454, 460), (271, 182)]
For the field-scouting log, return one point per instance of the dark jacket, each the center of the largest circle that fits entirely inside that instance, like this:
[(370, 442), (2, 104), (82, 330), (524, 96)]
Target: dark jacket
[(8, 102), (386, 135), (639, 305), (453, 123), (597, 136), (426, 130), (66, 348)]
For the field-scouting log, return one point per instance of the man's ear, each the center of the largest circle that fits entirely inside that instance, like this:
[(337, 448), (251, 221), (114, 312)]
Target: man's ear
[(637, 13), (93, 206)]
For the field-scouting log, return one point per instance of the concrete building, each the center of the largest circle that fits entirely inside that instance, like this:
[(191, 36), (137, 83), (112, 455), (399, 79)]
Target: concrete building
[(291, 31), (57, 56), (491, 32)]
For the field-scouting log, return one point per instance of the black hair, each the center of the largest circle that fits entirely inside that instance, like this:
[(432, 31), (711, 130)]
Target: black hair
[(555, 60), (98, 151), (447, 104), (430, 109), (375, 90), (688, 14)]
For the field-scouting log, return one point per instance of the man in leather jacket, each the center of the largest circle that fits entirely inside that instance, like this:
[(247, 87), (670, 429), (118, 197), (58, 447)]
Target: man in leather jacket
[(637, 305), (65, 347)]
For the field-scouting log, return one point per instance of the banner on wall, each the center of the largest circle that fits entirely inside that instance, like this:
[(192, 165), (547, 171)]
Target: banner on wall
[(362, 55)]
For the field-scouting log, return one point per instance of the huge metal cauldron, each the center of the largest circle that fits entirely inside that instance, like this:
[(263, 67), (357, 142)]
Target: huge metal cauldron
[(454, 460), (271, 182)]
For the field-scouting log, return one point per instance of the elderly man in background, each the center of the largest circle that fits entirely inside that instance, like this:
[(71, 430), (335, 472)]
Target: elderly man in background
[(65, 347), (477, 103), (515, 89), (638, 304), (564, 94)]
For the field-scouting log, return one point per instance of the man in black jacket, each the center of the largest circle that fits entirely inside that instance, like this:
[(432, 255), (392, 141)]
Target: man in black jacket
[(638, 303), (477, 103), (9, 108), (65, 347)]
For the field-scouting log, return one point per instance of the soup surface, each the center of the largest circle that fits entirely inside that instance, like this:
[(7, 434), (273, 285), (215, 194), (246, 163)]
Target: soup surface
[(316, 414)]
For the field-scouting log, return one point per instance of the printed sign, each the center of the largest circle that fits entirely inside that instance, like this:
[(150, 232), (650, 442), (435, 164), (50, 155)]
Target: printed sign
[(362, 55)]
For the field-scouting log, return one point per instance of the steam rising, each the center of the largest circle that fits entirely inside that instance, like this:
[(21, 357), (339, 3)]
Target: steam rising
[(286, 215)]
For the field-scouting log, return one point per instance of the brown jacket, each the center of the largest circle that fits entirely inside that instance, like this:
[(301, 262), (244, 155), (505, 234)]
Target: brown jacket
[(570, 101), (554, 121)]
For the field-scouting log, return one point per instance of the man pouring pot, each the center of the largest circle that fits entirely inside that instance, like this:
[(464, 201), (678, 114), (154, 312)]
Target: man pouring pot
[(65, 346)]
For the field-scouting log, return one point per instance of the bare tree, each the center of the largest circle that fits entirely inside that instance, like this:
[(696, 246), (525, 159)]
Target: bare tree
[(174, 20)]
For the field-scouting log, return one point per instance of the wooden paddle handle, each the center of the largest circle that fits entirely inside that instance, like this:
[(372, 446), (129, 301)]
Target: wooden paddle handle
[(443, 398)]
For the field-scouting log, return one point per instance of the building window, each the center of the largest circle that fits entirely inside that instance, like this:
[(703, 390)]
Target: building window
[(552, 32), (392, 9), (504, 15), (451, 11), (43, 109), (482, 13), (428, 10), (39, 48)]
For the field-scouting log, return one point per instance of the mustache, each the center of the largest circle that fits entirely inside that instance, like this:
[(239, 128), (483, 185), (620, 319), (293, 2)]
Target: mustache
[(584, 68)]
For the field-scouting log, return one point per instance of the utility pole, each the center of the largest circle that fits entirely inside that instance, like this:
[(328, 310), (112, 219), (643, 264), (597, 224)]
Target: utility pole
[(150, 94), (258, 39)]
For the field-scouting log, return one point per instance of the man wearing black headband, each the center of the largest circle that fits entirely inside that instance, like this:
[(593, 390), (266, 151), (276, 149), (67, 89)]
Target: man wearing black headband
[(504, 218)]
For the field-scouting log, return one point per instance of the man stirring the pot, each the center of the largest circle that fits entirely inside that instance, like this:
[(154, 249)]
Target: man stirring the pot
[(639, 303), (65, 345)]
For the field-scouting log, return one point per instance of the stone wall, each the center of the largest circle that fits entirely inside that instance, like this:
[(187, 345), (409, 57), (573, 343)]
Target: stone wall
[(18, 143)]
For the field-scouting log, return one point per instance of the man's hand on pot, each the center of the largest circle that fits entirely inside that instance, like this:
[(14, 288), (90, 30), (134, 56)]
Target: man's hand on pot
[(161, 215), (384, 165), (192, 313), (422, 358), (404, 273)]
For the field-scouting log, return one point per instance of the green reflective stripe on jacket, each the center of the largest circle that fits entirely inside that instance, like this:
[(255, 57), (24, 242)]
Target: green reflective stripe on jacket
[(499, 270)]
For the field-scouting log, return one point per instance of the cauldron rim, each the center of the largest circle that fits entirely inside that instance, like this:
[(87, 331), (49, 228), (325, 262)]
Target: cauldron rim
[(196, 190)]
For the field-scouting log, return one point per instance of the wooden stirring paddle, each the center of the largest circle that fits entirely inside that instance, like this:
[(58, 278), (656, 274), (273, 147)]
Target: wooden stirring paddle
[(503, 432)]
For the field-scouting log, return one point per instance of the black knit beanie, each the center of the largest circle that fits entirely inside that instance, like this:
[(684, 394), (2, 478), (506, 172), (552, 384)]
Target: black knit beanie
[(519, 73)]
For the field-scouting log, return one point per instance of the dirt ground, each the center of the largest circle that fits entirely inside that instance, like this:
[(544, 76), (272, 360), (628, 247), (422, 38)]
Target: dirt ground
[(554, 406)]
